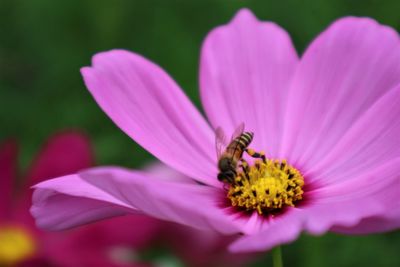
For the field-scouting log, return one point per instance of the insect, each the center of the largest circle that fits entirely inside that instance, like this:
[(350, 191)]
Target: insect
[(229, 153)]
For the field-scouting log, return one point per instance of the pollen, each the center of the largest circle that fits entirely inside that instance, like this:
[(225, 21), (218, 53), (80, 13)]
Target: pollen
[(267, 186)]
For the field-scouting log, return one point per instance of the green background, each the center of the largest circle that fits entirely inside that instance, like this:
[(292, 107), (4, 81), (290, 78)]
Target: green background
[(44, 43)]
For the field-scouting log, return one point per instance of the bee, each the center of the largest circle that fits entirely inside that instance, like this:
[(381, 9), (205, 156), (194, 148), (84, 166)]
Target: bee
[(229, 153)]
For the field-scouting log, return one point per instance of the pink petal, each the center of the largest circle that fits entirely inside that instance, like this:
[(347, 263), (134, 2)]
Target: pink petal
[(343, 72), (110, 191), (370, 196), (370, 142), (284, 229), (8, 168), (246, 67), (63, 153), (162, 171), (149, 106), (54, 211), (372, 225)]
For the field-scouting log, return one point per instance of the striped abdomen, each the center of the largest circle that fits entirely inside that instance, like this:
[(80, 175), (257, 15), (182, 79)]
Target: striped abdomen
[(239, 144)]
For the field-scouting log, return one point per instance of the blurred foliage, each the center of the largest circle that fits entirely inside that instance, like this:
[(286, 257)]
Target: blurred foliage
[(43, 44)]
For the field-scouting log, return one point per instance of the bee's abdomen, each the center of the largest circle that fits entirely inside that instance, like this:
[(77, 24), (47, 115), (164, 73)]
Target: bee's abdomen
[(244, 139)]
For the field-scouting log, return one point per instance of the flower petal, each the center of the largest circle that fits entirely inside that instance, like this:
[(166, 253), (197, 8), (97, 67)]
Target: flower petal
[(371, 195), (64, 153), (343, 72), (149, 106), (370, 142), (162, 171), (116, 191), (284, 229), (389, 222), (8, 168), (55, 210), (246, 67)]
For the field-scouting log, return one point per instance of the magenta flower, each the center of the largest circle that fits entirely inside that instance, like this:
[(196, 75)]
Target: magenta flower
[(22, 244), (332, 115)]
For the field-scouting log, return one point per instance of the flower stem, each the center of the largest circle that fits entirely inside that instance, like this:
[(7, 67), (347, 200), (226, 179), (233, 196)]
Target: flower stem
[(277, 257)]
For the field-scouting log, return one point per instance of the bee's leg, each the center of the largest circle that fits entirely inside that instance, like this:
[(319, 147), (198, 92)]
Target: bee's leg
[(257, 155), (245, 167)]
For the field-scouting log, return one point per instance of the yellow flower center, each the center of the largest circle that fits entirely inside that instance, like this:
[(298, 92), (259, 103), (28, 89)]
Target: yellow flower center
[(266, 187), (16, 244)]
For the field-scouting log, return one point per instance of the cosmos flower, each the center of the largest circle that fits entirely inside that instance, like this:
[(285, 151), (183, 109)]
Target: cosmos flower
[(328, 123), (22, 244)]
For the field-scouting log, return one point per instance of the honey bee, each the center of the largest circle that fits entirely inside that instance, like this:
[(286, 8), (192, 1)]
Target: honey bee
[(229, 153)]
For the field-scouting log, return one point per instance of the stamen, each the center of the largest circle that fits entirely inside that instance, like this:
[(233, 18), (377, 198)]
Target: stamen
[(267, 186)]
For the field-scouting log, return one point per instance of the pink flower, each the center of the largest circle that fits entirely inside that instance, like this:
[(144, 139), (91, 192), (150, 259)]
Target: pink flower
[(333, 115), (22, 244)]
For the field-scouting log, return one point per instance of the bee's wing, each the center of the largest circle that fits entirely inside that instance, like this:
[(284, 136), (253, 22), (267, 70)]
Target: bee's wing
[(221, 141), (238, 131)]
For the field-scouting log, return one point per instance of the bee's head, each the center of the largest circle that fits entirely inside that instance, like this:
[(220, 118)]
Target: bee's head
[(228, 176)]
